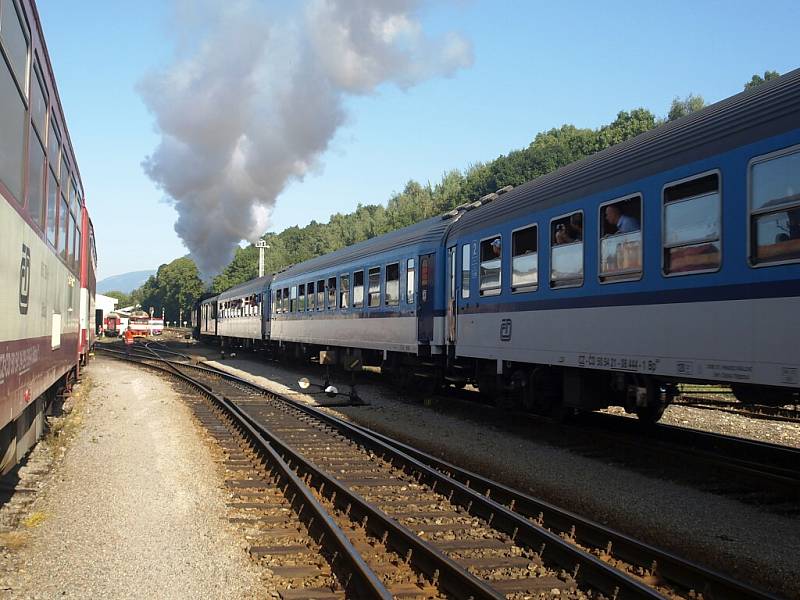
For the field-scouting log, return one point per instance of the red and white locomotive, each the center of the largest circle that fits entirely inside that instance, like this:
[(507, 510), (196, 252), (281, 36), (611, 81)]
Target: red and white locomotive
[(47, 254)]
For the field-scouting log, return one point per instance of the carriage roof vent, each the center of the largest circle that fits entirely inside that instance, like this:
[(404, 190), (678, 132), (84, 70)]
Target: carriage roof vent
[(487, 198), (505, 189), (450, 214)]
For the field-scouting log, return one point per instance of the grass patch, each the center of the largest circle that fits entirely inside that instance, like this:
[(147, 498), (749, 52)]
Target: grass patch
[(34, 519), (13, 540)]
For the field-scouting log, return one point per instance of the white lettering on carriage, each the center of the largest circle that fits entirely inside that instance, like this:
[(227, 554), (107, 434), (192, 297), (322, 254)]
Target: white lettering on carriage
[(17, 362)]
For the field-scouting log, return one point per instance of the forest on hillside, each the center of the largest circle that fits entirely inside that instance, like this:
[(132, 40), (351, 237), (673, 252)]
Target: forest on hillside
[(177, 285)]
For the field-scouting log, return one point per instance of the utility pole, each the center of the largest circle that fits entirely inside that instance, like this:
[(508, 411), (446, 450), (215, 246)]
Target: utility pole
[(261, 245)]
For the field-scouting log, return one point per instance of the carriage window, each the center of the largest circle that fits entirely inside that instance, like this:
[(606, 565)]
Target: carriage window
[(692, 226), (301, 297), (276, 300), (14, 36), (36, 168), (53, 146), (331, 293), (392, 286), (410, 281), (63, 217), (374, 291), (321, 294), (491, 261), (525, 259), (465, 271), (310, 296), (64, 174), (290, 299), (775, 205), (52, 207), (38, 102), (76, 248), (12, 134), (621, 240), (344, 292), (358, 289), (566, 251)]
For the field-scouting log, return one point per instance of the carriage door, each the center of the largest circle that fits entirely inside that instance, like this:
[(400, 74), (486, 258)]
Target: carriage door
[(425, 298), (451, 295)]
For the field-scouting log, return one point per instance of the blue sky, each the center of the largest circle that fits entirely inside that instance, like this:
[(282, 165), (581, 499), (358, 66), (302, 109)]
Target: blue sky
[(537, 65)]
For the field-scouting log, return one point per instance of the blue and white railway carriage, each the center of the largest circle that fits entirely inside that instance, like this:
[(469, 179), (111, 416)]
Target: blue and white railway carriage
[(243, 314), (674, 256), (378, 298)]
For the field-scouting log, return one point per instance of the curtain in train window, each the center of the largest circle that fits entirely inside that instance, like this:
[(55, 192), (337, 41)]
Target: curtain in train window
[(321, 294), (410, 271), (358, 289), (491, 262), (331, 293), (692, 230), (525, 259), (392, 287), (374, 291), (310, 296), (344, 292), (775, 206)]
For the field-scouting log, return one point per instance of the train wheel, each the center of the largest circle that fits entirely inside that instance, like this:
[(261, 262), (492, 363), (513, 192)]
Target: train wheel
[(543, 393), (657, 402)]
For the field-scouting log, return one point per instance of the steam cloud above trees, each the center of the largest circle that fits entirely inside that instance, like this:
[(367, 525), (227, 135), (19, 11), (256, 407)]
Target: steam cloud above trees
[(256, 93)]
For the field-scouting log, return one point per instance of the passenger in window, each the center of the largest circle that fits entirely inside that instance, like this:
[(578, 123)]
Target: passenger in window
[(496, 247), (570, 231), (623, 223)]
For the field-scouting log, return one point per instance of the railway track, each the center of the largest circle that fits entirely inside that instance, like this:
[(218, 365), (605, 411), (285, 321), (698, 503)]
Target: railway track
[(754, 411), (459, 534)]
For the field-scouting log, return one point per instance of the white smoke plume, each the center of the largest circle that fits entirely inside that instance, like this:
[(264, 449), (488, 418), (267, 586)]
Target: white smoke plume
[(256, 93)]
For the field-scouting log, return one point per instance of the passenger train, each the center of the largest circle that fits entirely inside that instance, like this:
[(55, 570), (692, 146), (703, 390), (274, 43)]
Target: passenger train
[(47, 249), (672, 257)]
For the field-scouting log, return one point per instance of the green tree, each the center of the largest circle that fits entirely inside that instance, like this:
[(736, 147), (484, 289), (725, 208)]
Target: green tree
[(682, 107), (174, 288), (758, 79)]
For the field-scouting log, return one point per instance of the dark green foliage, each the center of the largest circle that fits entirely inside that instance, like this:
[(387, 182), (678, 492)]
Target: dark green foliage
[(681, 108), (175, 287), (758, 79), (124, 299)]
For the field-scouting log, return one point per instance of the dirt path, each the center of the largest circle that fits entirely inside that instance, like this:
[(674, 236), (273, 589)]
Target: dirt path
[(136, 509)]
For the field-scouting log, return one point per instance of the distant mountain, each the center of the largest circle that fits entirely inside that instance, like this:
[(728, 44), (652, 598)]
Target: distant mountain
[(125, 283)]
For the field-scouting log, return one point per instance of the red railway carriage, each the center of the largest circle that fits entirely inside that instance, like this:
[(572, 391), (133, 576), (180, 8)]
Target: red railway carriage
[(43, 235)]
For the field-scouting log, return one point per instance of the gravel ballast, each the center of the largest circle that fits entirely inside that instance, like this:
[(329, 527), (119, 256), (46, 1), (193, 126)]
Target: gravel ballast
[(732, 537), (136, 509)]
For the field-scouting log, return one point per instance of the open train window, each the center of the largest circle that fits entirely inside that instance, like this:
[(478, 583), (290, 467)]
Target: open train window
[(310, 296), (331, 293), (775, 208), (491, 263), (621, 239), (301, 297), (525, 259), (566, 251), (692, 226), (358, 289), (465, 270), (321, 294), (410, 271), (392, 285), (36, 172), (63, 218), (344, 291), (374, 290)]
